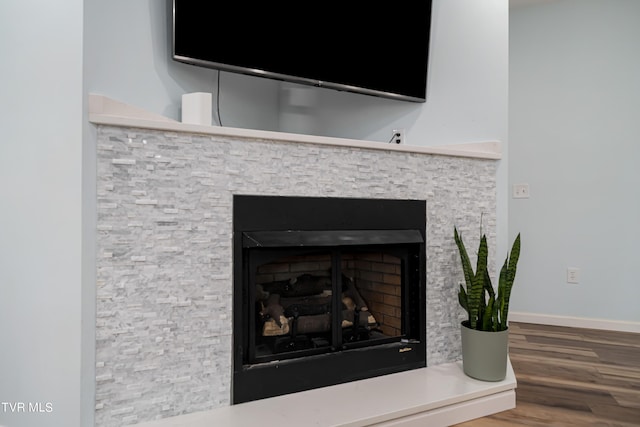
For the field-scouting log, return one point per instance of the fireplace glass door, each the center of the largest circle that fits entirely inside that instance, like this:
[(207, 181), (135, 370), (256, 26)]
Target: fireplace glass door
[(319, 300)]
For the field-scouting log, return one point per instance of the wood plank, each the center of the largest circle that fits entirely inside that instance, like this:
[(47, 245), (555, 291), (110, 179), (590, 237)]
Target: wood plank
[(527, 414)]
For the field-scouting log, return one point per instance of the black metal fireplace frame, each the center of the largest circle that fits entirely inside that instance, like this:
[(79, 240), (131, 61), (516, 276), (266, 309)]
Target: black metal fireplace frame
[(273, 223)]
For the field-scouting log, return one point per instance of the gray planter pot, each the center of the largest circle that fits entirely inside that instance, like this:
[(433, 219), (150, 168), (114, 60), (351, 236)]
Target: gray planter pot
[(484, 354)]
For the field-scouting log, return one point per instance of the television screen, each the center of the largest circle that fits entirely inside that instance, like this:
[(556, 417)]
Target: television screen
[(377, 49)]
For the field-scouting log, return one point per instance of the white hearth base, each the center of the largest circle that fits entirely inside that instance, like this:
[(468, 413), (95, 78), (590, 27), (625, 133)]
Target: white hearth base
[(436, 396)]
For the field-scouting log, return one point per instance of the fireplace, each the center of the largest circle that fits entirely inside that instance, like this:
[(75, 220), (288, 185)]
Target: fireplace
[(165, 276), (326, 290)]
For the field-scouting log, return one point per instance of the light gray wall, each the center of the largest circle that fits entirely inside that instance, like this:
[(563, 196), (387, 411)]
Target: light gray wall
[(41, 110), (574, 108)]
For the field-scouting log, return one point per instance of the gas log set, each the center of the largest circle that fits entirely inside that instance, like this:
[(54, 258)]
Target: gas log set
[(296, 314)]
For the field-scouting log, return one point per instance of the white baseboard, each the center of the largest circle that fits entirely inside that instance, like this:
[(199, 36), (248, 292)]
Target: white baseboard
[(575, 322)]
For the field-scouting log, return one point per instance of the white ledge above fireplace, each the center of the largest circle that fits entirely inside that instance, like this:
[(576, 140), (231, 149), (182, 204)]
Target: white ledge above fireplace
[(106, 111)]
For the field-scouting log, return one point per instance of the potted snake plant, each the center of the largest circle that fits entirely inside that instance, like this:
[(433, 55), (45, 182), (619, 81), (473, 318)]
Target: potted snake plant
[(484, 334)]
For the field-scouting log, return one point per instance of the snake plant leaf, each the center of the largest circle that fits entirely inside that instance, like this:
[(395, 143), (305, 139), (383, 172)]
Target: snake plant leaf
[(482, 310), (462, 299), (464, 258), (502, 281), (509, 279), (488, 286), (487, 320), (492, 313), (483, 254), (471, 280), (474, 281), (475, 295), (495, 318)]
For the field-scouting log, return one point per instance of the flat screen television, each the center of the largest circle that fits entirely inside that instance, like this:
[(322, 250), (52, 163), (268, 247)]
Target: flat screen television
[(379, 49)]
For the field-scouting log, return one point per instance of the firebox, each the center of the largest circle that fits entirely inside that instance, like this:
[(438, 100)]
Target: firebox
[(326, 291)]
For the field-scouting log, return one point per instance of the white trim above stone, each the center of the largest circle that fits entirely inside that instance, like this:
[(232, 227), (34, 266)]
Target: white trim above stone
[(106, 111)]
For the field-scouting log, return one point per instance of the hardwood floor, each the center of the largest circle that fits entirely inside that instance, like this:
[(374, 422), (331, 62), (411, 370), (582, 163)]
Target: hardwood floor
[(571, 377)]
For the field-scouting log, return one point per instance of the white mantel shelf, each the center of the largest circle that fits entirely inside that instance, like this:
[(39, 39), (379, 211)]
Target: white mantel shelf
[(106, 111), (435, 396)]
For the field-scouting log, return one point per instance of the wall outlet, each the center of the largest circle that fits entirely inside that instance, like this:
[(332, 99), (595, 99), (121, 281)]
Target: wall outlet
[(398, 136), (573, 275), (521, 191)]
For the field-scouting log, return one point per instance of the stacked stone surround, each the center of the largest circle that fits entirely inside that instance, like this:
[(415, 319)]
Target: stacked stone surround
[(164, 250)]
